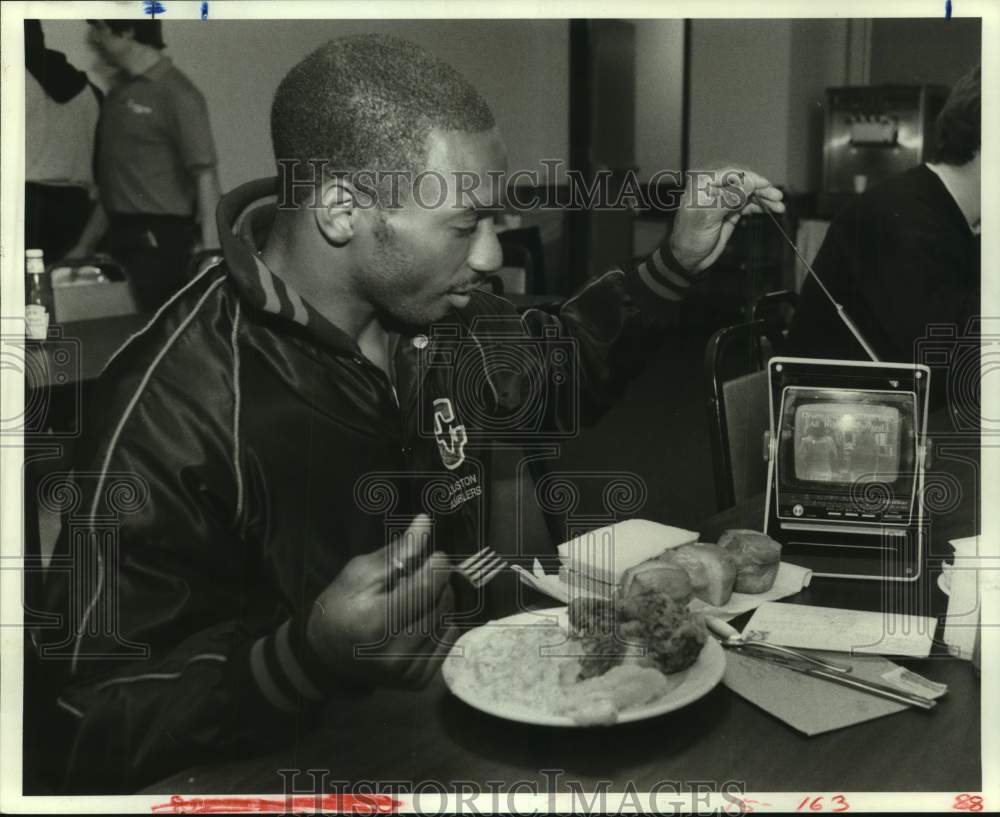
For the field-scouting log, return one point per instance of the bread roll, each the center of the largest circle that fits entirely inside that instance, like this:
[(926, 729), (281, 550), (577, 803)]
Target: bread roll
[(711, 569), (757, 558), (669, 579)]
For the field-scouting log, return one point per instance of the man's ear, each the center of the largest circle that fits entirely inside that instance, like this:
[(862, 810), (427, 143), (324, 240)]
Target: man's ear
[(336, 216)]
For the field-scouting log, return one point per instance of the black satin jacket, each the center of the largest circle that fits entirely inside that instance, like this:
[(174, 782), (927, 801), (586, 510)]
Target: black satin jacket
[(240, 449)]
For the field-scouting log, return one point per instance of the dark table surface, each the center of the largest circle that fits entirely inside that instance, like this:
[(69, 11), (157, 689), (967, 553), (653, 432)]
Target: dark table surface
[(431, 735), (77, 351)]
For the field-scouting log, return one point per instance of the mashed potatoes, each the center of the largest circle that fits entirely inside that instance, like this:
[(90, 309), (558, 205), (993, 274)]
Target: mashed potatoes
[(535, 669)]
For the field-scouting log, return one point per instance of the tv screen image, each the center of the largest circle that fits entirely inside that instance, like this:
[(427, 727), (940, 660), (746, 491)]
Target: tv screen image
[(846, 464), (846, 442)]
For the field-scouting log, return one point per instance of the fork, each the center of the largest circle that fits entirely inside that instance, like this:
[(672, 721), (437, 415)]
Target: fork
[(481, 567)]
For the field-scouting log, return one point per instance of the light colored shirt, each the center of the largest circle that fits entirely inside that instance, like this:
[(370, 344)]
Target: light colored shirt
[(59, 137), (951, 185)]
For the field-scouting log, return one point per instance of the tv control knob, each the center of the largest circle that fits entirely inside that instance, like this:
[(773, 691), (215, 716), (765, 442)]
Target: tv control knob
[(798, 510)]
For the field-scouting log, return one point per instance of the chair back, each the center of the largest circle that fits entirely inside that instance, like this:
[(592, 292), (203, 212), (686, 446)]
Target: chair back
[(738, 410), (776, 309), (513, 279), (522, 249), (517, 527)]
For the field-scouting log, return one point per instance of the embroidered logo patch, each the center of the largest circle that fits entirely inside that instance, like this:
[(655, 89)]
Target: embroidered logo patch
[(138, 108), (450, 435)]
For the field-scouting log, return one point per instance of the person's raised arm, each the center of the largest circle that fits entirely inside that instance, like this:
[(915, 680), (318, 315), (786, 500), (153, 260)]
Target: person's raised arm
[(614, 319)]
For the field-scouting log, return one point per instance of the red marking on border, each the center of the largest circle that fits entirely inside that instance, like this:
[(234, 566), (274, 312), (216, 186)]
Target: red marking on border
[(968, 802), (343, 803)]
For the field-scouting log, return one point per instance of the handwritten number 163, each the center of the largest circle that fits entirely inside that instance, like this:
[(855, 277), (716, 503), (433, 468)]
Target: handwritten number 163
[(816, 804)]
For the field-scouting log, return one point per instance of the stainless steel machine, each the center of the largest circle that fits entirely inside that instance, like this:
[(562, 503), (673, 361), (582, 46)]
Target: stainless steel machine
[(873, 132)]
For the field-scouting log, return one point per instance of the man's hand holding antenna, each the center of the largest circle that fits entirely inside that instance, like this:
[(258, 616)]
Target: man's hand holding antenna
[(713, 202)]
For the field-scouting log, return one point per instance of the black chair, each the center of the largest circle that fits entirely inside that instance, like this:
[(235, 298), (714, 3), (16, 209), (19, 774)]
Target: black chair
[(738, 410), (776, 309), (522, 248)]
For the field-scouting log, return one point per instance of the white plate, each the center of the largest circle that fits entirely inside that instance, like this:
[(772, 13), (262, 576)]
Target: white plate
[(694, 682)]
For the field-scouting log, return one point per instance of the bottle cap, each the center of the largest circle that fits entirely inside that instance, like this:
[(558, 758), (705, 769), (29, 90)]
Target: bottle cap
[(33, 254)]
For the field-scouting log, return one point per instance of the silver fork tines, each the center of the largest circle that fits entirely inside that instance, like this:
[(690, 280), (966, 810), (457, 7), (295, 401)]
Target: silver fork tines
[(481, 567)]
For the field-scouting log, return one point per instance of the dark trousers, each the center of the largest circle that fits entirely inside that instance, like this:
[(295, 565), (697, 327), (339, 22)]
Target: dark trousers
[(54, 218), (155, 251)]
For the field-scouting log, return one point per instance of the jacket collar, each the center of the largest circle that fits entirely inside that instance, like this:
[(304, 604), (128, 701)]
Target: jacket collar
[(244, 217)]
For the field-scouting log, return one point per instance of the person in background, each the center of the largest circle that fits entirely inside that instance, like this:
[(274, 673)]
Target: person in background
[(61, 112), (905, 254), (817, 454), (156, 165)]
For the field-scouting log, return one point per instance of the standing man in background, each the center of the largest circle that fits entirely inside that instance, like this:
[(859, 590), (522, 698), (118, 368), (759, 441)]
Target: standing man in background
[(156, 163)]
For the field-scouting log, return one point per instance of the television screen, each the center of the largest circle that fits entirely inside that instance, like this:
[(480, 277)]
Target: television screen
[(845, 442), (847, 457)]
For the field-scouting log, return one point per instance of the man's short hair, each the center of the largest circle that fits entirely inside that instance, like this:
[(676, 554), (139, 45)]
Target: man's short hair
[(958, 134), (147, 32), (365, 103)]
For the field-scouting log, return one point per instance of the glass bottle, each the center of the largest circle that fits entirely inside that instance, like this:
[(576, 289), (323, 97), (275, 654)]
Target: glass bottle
[(39, 303)]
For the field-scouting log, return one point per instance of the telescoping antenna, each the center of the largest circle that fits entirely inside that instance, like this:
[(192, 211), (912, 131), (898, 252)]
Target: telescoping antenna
[(839, 307)]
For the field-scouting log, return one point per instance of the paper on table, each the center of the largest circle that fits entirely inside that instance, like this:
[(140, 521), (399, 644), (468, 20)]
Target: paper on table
[(962, 577), (965, 548), (790, 580), (839, 630), (813, 705), (543, 582)]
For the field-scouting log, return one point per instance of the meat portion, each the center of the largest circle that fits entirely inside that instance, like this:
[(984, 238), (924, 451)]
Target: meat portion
[(590, 616), (672, 634), (644, 626)]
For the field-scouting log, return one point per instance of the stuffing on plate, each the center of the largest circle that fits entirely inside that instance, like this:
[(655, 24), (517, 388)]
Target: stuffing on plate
[(644, 626)]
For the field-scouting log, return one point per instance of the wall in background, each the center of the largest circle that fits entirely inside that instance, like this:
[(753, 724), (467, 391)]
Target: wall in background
[(819, 59), (739, 94), (758, 86), (659, 92), (521, 67), (936, 51), (757, 94)]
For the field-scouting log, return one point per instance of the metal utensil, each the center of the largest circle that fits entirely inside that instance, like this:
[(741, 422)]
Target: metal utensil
[(871, 687), (481, 567), (808, 665), (730, 637)]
